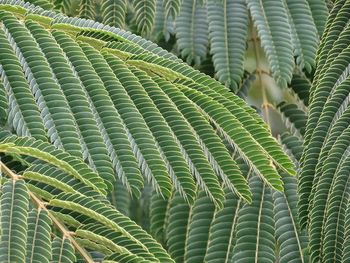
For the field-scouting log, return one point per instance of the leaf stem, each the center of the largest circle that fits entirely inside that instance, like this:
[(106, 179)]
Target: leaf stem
[(42, 206)]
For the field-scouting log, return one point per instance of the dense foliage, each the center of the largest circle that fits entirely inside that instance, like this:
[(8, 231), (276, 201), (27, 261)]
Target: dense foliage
[(98, 126)]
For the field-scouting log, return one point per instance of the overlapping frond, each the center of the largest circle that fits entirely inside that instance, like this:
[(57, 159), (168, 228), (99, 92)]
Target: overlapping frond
[(255, 227), (222, 234), (96, 224), (290, 27), (198, 229), (177, 228), (304, 37), (138, 114), (112, 85), (271, 20), (232, 240), (323, 185)]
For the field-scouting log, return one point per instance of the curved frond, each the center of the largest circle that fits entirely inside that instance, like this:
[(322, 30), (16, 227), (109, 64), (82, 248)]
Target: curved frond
[(293, 118), (346, 247), (177, 228), (271, 20), (319, 13), (124, 101), (222, 234), (62, 250), (14, 212), (39, 239), (87, 9), (291, 239), (158, 217), (113, 12), (46, 152), (192, 31), (144, 15), (95, 148), (163, 25), (255, 227), (92, 219), (3, 104), (198, 229), (323, 184), (172, 8), (304, 37), (54, 108), (300, 86), (228, 26), (24, 115)]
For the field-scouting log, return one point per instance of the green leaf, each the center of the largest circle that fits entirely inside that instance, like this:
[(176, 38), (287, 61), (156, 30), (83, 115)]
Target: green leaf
[(203, 211), (113, 12), (293, 118), (88, 128), (177, 228), (62, 250), (112, 223), (346, 247), (255, 227), (172, 8), (54, 108), (292, 241), (271, 21), (48, 153), (3, 104), (223, 231), (192, 31), (24, 115), (39, 239), (158, 217), (334, 225), (229, 126), (157, 173), (87, 9), (158, 122), (228, 26), (198, 162), (120, 198), (304, 37), (144, 15), (14, 212), (319, 12)]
